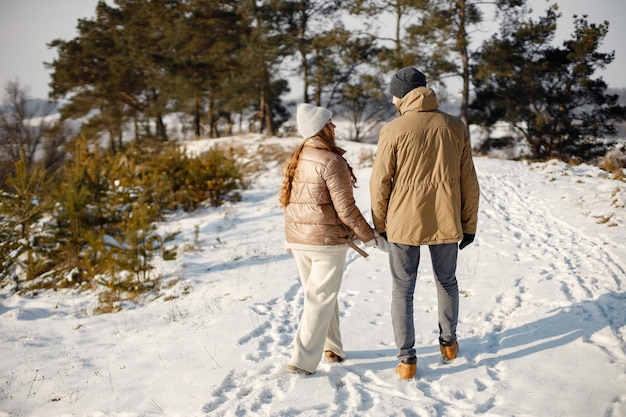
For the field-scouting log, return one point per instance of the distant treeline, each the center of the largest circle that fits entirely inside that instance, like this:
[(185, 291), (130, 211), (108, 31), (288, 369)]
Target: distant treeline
[(223, 67)]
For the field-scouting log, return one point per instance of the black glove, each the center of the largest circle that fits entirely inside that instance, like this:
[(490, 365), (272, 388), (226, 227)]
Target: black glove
[(467, 239)]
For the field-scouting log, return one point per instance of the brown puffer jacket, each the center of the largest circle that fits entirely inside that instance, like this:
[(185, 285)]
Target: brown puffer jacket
[(322, 210), (423, 185)]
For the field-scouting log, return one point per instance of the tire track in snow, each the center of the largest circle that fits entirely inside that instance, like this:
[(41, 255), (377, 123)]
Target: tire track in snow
[(565, 296), (584, 274)]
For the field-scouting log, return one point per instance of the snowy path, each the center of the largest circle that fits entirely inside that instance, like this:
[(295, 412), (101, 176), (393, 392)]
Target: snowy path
[(541, 296), (542, 328)]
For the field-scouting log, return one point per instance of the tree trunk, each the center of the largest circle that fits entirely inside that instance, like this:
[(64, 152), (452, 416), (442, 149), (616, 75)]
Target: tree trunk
[(269, 123), (161, 128), (262, 110), (465, 63), (305, 78), (197, 117)]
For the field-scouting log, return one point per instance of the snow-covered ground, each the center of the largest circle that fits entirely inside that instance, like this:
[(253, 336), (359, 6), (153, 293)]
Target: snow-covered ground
[(542, 328)]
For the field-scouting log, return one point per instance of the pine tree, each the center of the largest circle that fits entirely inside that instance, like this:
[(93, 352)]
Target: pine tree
[(82, 214), (21, 208), (547, 93)]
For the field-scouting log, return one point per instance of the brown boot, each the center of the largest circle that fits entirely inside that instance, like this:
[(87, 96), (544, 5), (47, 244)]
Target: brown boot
[(332, 357), (406, 370), (448, 351)]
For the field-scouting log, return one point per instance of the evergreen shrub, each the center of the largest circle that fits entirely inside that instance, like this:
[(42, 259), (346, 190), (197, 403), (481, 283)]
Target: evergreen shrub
[(615, 162), (97, 229)]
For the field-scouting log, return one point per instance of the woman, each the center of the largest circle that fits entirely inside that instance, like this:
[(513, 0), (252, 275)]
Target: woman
[(321, 222)]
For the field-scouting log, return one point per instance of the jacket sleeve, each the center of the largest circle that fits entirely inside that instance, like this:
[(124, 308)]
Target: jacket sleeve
[(381, 181), (339, 183), (470, 191)]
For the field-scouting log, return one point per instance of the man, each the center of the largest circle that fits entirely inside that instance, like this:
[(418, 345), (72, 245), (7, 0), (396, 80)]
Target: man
[(424, 191)]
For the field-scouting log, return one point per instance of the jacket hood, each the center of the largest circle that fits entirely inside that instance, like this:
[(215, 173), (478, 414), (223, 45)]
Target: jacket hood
[(419, 99)]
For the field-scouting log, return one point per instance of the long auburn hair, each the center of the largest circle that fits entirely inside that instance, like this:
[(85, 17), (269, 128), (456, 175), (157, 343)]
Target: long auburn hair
[(328, 138)]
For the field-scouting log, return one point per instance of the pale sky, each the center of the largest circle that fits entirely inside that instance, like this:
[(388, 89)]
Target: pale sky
[(26, 26)]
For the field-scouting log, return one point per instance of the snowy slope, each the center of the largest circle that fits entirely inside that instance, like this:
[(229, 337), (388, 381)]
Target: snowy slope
[(542, 328)]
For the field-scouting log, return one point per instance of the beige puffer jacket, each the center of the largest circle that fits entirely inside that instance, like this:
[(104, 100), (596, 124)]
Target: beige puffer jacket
[(322, 211), (423, 185)]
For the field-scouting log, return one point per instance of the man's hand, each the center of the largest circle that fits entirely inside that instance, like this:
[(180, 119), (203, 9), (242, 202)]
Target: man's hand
[(381, 241), (467, 239)]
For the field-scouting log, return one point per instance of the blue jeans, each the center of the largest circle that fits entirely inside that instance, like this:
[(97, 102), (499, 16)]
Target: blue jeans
[(404, 262)]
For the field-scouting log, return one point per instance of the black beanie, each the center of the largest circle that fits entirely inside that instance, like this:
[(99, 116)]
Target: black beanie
[(406, 80)]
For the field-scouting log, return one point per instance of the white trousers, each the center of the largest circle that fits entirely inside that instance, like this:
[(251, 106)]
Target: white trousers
[(320, 273)]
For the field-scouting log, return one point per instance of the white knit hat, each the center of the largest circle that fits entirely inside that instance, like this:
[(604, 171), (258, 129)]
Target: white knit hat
[(311, 119)]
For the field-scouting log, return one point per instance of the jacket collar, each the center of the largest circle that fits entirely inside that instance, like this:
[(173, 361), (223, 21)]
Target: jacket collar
[(317, 142), (419, 99)]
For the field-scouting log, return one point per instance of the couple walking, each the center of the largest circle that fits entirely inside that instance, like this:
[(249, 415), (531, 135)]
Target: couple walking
[(423, 190)]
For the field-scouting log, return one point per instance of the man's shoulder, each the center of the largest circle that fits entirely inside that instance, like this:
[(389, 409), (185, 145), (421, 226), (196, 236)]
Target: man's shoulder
[(412, 120), (394, 124), (451, 118), (439, 118)]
